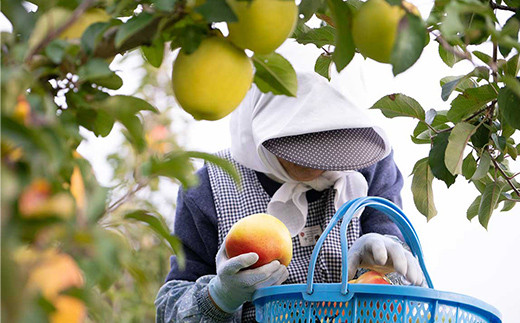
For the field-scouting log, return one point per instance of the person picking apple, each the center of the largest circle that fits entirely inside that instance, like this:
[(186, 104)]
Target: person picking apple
[(299, 158)]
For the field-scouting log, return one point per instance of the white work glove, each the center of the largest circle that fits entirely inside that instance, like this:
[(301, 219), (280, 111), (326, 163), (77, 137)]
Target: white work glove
[(383, 254), (233, 285)]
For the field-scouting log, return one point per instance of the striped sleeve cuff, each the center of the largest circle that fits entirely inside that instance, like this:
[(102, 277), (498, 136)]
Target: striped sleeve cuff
[(209, 310)]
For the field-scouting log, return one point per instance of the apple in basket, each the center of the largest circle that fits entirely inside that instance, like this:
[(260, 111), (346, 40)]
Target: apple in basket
[(371, 277), (263, 234)]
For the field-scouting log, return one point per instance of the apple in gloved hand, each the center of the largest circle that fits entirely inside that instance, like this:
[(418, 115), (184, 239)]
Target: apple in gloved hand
[(371, 277), (262, 234)]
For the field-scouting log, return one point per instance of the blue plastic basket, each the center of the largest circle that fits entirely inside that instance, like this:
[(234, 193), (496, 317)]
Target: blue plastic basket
[(368, 303)]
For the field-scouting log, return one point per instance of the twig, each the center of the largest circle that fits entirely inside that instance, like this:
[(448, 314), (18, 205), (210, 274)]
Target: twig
[(508, 179), (451, 49), (480, 111), (124, 198), (489, 108), (56, 32), (326, 51), (501, 7), (514, 175), (493, 65)]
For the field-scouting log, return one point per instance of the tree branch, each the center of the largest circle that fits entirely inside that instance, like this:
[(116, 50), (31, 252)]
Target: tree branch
[(56, 32), (493, 66), (501, 7), (451, 49), (124, 198), (106, 48), (508, 179)]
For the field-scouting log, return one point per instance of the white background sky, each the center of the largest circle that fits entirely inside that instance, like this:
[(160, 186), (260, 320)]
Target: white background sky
[(461, 256)]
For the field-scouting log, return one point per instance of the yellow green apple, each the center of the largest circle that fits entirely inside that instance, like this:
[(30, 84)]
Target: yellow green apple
[(263, 25), (212, 81), (374, 28)]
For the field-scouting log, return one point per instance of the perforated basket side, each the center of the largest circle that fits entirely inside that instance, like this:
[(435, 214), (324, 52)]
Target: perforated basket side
[(367, 308)]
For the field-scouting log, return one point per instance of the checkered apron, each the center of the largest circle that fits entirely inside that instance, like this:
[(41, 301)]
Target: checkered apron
[(233, 203)]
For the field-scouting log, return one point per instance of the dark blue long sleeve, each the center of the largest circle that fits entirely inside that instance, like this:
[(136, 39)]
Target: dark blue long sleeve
[(196, 226), (196, 217), (384, 180)]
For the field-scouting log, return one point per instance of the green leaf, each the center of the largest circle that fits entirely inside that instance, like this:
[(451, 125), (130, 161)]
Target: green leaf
[(469, 166), (399, 105), (345, 49), (489, 202), (422, 133), (355, 4), (511, 150), (188, 37), (22, 21), (457, 142), (103, 123), (436, 159), (473, 208), (95, 68), (55, 50), (450, 86), (220, 162), (483, 57), (483, 166), (508, 205), (97, 71), (422, 188), (430, 116), (154, 54), (97, 203), (322, 65), (275, 74), (512, 83), (160, 228), (112, 81), (132, 26), (175, 165), (507, 130), (512, 66), (470, 101), (93, 34), (509, 105), (511, 29), (165, 5), (410, 42), (124, 109), (124, 104), (481, 136), (318, 36), (307, 8), (135, 130), (447, 57), (216, 11), (500, 142), (458, 83)]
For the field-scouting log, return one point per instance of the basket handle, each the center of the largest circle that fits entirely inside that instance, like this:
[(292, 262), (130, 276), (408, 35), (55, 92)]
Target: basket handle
[(347, 212)]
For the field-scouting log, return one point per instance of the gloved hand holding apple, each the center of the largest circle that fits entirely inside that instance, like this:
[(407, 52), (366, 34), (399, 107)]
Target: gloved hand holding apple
[(255, 254), (383, 254)]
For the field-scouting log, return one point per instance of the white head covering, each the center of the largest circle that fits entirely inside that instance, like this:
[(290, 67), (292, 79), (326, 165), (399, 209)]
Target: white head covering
[(317, 107)]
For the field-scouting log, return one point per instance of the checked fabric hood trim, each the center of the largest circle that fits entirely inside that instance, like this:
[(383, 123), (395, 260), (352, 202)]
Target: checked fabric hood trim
[(319, 127)]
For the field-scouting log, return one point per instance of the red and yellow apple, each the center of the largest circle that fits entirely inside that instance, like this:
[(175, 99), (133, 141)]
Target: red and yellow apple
[(371, 277), (51, 273), (38, 201), (263, 234)]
